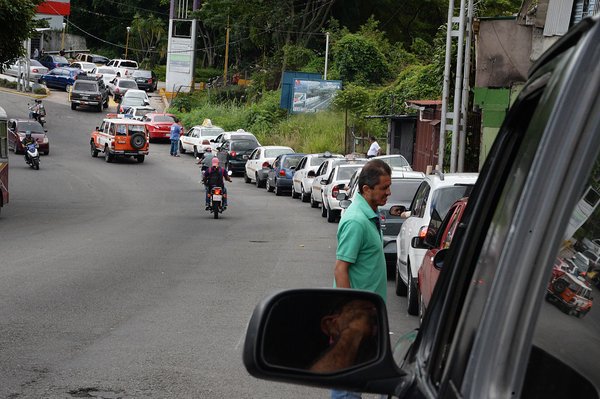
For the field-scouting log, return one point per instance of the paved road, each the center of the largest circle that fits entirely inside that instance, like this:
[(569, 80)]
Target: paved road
[(114, 281)]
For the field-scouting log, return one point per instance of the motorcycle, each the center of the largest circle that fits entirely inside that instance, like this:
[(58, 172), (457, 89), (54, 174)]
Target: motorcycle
[(32, 156), (38, 113), (216, 201)]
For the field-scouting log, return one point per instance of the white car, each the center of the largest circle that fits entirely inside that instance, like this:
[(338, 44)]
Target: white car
[(334, 184), (322, 173), (123, 67), (136, 93), (118, 87), (84, 66), (108, 73), (305, 174), (36, 69), (138, 113), (198, 138), (259, 162), (435, 196), (239, 134), (396, 162)]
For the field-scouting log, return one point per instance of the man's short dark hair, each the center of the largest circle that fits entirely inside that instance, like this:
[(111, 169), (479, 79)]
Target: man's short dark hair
[(373, 138), (371, 172), (176, 119)]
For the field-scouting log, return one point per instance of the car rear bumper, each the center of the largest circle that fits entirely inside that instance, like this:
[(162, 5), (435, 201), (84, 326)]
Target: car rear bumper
[(284, 183), (158, 134), (86, 102), (128, 152), (236, 166)]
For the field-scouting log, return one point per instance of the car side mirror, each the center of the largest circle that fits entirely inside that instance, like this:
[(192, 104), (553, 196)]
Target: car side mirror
[(418, 242), (341, 196), (344, 204), (323, 181), (245, 157), (438, 259), (397, 210)]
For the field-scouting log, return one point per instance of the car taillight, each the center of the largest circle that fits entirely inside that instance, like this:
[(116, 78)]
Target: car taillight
[(150, 80), (423, 231), (121, 110), (117, 90), (335, 191), (35, 70), (112, 144), (282, 172), (233, 153), (266, 164), (382, 218)]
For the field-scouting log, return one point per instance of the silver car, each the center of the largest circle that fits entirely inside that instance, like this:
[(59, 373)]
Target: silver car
[(305, 174), (36, 70), (333, 185)]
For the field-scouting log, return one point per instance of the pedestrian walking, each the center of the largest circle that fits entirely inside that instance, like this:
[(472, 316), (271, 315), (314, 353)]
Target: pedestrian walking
[(374, 149), (175, 133), (360, 260)]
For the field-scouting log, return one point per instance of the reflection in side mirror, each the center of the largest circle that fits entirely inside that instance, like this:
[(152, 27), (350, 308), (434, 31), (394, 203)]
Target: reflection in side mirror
[(323, 181), (438, 259), (308, 330), (344, 204), (397, 210), (341, 196)]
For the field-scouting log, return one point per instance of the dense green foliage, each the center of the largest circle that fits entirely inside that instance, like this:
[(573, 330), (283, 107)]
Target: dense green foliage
[(16, 25)]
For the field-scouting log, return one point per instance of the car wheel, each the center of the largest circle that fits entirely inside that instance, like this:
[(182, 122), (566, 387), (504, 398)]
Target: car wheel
[(246, 178), (268, 186), (323, 210), (68, 88), (277, 190), (140, 158), (257, 181), (400, 286), (99, 109), (412, 306), (303, 196), (73, 106), (294, 193), (93, 150), (196, 154), (331, 216), (313, 203), (108, 157), (181, 149)]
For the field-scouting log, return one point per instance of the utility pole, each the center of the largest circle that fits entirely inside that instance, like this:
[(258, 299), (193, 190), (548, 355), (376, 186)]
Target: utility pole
[(326, 54), (226, 54)]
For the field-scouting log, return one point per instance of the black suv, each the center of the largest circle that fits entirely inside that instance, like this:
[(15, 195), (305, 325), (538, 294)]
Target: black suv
[(231, 154), (146, 80), (89, 90), (487, 332)]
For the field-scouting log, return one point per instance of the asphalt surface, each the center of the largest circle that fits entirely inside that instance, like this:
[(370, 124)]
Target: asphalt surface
[(115, 283)]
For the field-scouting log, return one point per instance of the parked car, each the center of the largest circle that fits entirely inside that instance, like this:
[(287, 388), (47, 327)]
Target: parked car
[(52, 61), (95, 58), (60, 78), (279, 177), (404, 186), (120, 138), (16, 132), (333, 185), (439, 236), (138, 113), (305, 174), (84, 66), (146, 80), (119, 87), (488, 332), (396, 161), (124, 68), (198, 138), (234, 153), (259, 162), (321, 174), (433, 199), (36, 70), (89, 91), (135, 93), (158, 125), (239, 134), (108, 74), (571, 294), (127, 103)]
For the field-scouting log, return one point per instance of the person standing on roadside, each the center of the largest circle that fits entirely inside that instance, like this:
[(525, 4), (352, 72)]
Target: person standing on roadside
[(175, 133), (374, 149), (360, 260)]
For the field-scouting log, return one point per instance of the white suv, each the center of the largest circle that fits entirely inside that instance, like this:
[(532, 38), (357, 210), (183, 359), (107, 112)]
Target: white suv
[(434, 197)]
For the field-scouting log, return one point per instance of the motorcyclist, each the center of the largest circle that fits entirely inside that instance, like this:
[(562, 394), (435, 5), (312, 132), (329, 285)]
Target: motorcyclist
[(214, 177), (28, 139), (206, 161), (37, 110)]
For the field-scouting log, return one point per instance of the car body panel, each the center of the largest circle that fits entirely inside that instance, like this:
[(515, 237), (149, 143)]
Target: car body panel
[(36, 70), (60, 78), (280, 174), (159, 125)]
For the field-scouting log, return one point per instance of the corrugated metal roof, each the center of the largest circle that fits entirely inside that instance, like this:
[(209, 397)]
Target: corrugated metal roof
[(558, 17), (584, 8)]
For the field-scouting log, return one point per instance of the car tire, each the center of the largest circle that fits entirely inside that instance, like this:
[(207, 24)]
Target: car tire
[(259, 184), (268, 186), (323, 210), (181, 149), (400, 286), (73, 106), (303, 196), (93, 150), (137, 141), (294, 193), (108, 157), (196, 154), (412, 295), (140, 158), (313, 203), (331, 216), (559, 286), (246, 178), (68, 88), (277, 190), (99, 109)]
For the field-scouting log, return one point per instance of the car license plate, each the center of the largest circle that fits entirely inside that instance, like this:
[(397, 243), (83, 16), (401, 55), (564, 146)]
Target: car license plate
[(216, 197)]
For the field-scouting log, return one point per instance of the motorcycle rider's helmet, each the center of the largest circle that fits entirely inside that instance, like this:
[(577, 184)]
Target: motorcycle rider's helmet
[(28, 134)]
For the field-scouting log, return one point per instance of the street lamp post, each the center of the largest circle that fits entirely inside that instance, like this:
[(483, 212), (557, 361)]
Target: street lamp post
[(127, 42), (62, 43)]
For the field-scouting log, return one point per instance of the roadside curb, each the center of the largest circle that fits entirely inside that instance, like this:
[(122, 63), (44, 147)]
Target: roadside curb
[(163, 96), (30, 95)]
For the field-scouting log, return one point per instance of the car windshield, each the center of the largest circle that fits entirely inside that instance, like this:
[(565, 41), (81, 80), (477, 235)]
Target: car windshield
[(32, 126), (403, 190), (242, 136), (142, 74), (288, 162), (316, 161), (60, 59), (274, 152), (132, 102), (137, 94), (85, 86), (99, 60), (243, 145), (163, 118), (444, 197), (211, 131), (346, 172), (396, 162), (128, 84), (35, 63), (142, 112)]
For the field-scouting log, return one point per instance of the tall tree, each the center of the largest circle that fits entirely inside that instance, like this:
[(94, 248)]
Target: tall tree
[(16, 25)]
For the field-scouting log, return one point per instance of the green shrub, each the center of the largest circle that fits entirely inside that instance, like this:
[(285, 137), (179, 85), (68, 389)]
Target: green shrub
[(39, 90)]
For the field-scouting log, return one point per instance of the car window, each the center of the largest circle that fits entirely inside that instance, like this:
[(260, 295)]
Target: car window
[(129, 64), (35, 62), (142, 73), (273, 152), (288, 162), (243, 145), (84, 86), (163, 118), (451, 227), (417, 207), (403, 191), (61, 59), (128, 84)]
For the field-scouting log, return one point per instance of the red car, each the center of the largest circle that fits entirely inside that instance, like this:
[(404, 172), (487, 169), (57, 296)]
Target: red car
[(159, 125), (16, 133), (430, 270)]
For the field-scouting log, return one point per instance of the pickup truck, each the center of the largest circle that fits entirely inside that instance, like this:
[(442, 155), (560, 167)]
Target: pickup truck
[(123, 67)]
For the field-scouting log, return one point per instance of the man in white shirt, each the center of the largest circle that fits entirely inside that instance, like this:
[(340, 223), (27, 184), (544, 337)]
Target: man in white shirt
[(374, 149)]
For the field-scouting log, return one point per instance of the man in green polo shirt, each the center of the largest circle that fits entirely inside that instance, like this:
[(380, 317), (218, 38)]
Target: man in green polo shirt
[(360, 261)]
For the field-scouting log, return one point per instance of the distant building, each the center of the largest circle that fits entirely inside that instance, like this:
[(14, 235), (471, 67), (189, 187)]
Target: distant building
[(54, 12)]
